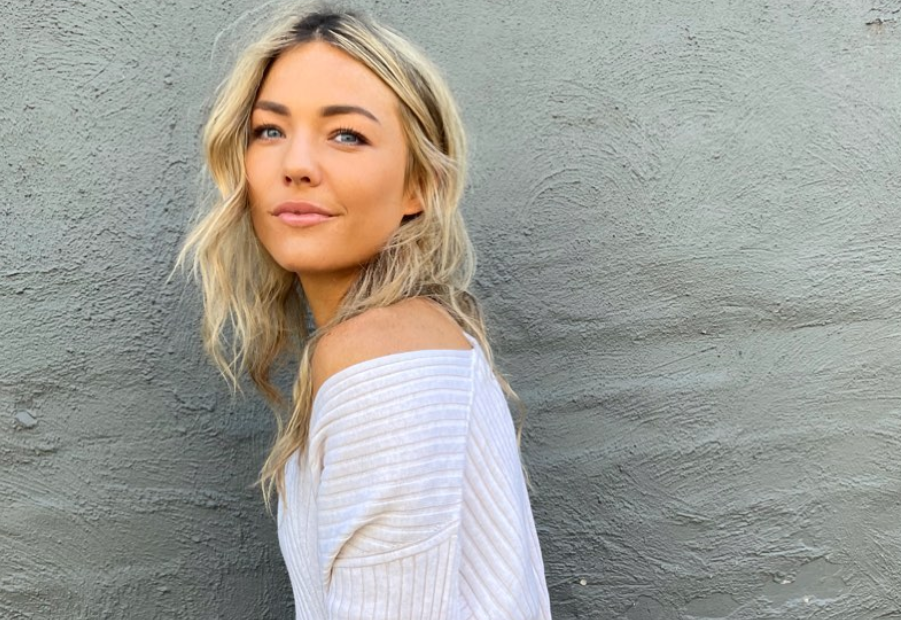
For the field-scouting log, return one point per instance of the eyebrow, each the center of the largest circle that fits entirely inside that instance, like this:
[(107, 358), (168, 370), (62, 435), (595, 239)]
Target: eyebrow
[(329, 110)]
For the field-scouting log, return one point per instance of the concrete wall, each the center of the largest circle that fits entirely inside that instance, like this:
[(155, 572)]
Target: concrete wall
[(686, 214)]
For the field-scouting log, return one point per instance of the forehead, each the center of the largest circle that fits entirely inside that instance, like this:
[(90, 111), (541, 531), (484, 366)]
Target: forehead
[(317, 73)]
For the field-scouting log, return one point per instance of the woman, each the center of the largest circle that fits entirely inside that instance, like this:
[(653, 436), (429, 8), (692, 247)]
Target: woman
[(338, 153)]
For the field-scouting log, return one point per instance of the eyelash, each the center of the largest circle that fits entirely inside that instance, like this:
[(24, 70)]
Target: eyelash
[(356, 134), (258, 132)]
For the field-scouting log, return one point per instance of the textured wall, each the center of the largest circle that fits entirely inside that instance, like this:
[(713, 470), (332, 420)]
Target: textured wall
[(686, 216)]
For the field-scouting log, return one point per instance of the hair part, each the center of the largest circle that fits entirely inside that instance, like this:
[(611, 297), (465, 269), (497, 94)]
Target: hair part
[(254, 310)]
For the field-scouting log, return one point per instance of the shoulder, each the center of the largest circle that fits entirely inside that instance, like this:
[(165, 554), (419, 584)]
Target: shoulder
[(410, 325)]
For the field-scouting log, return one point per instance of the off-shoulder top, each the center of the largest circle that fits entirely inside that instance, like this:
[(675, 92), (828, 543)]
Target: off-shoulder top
[(409, 502)]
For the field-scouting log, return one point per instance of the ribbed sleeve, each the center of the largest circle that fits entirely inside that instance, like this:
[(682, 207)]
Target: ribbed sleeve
[(409, 503), (390, 494)]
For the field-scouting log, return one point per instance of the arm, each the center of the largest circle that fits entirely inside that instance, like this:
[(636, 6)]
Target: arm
[(391, 437), (393, 448)]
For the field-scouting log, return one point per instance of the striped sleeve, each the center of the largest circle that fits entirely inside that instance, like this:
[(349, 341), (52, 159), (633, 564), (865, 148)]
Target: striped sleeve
[(393, 443)]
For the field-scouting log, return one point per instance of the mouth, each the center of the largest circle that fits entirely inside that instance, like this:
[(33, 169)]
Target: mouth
[(301, 214)]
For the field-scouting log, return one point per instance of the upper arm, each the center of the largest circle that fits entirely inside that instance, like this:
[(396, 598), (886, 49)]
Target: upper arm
[(392, 442), (392, 445)]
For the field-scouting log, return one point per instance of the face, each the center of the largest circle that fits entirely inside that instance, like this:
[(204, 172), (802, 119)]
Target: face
[(326, 163)]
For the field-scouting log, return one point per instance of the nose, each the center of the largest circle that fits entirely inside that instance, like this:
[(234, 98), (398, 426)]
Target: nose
[(300, 163)]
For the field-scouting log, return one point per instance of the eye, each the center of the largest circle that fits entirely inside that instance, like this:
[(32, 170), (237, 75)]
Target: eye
[(348, 136), (267, 132)]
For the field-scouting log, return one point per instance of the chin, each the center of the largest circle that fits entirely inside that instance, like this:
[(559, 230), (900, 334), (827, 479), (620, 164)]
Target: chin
[(295, 265), (314, 259), (288, 256), (308, 264)]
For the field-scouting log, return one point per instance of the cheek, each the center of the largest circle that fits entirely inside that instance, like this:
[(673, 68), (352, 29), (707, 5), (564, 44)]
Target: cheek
[(384, 183), (379, 203), (253, 171)]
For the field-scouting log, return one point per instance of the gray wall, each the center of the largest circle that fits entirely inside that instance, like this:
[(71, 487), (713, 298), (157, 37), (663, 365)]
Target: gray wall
[(686, 217)]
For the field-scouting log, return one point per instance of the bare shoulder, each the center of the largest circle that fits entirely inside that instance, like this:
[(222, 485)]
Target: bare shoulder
[(410, 325)]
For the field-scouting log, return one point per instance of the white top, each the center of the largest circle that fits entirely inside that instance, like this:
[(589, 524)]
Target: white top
[(410, 503)]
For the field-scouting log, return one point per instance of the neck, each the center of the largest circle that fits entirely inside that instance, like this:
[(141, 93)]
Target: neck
[(325, 291)]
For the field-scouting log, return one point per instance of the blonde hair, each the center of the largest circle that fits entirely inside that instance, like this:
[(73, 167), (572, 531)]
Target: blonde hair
[(254, 310)]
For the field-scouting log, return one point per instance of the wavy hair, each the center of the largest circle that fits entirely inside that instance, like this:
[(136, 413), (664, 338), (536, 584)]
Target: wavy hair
[(254, 310)]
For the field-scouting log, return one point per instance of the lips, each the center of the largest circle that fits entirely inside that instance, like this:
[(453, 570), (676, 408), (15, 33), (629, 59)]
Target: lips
[(301, 214)]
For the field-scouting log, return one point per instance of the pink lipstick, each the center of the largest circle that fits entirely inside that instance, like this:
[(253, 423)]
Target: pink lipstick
[(301, 214)]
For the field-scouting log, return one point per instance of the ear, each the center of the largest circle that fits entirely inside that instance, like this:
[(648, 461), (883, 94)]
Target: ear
[(412, 202)]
